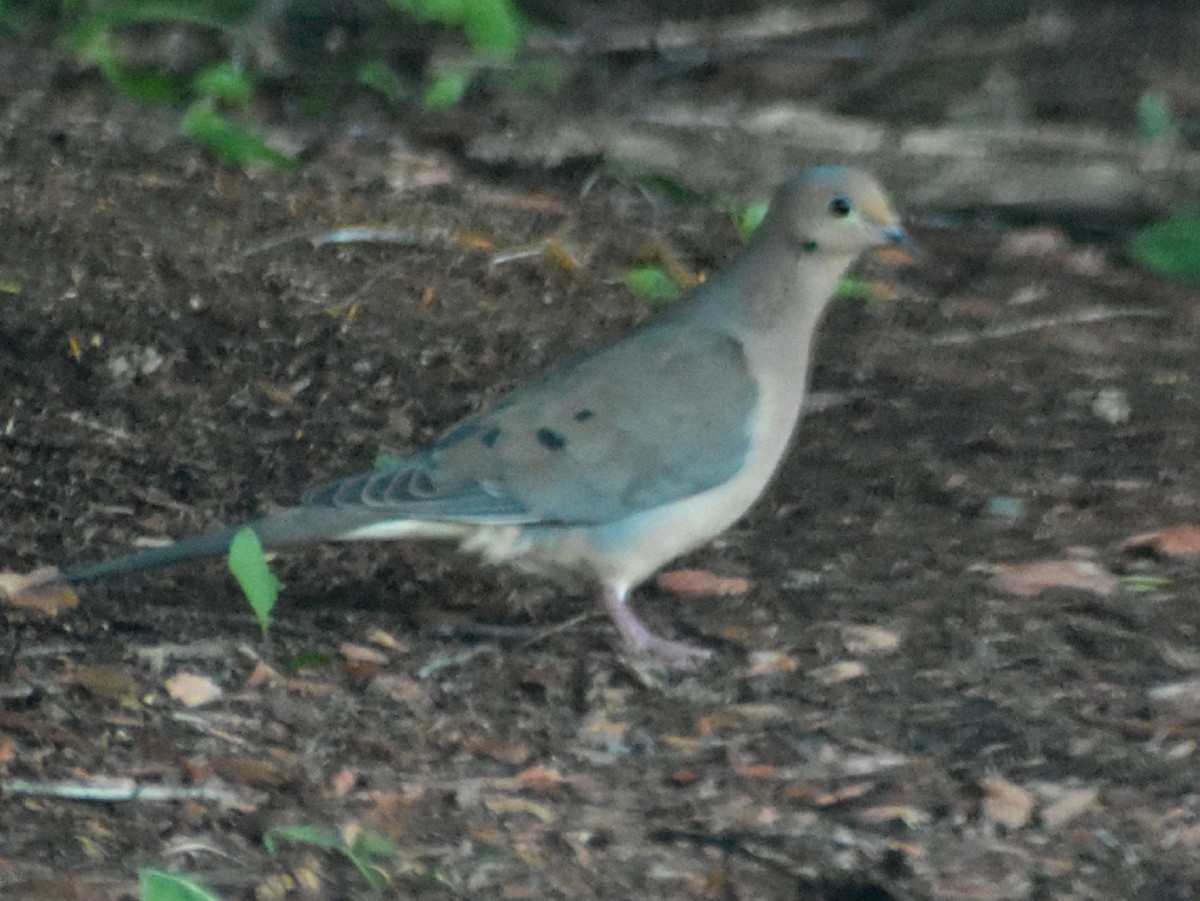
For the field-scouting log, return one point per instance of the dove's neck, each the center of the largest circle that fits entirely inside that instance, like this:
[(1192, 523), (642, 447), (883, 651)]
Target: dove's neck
[(772, 299), (775, 295)]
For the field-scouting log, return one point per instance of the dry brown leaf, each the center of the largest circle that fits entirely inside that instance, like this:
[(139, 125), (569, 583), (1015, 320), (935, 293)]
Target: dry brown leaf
[(253, 771), (757, 771), (112, 682), (358, 653), (1173, 541), (1029, 579), (540, 777), (386, 640), (39, 590), (842, 671), (262, 674), (1069, 806), (512, 804), (1005, 803), (342, 782), (505, 752), (771, 663), (701, 582), (192, 690), (863, 640), (912, 817)]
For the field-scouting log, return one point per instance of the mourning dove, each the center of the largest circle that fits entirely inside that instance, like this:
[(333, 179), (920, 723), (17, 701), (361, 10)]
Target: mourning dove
[(620, 460)]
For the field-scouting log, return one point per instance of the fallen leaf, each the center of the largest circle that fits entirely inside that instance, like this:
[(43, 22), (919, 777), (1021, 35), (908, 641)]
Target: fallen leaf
[(503, 751), (39, 590), (1005, 803), (912, 817), (192, 690), (701, 582), (843, 671), (262, 674), (770, 663), (1029, 579), (386, 640), (1173, 541), (756, 771), (509, 804), (1072, 804), (111, 682), (870, 640), (342, 782), (358, 653), (540, 777)]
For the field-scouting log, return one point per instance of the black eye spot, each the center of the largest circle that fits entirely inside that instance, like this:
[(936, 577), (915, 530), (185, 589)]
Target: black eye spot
[(584, 415), (551, 439), (490, 437), (840, 206)]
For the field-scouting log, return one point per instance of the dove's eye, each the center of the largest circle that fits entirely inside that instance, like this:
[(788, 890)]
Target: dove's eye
[(840, 206)]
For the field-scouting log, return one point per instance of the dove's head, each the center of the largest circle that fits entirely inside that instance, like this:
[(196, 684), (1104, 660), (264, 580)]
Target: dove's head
[(834, 210)]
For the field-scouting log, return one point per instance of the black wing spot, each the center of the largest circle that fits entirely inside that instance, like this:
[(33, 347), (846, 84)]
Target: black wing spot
[(551, 439), (584, 415), (490, 437), (420, 485)]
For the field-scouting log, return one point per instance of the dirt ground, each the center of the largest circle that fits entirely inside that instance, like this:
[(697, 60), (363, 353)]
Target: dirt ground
[(886, 717)]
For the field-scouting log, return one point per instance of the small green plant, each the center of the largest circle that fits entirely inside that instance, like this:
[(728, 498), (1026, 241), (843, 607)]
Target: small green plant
[(157, 885), (1144, 583), (652, 283), (364, 851), (492, 27), (249, 566), (1170, 247), (108, 33), (746, 219)]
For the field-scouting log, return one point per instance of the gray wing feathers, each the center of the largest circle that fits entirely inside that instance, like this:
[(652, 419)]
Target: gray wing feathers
[(660, 416)]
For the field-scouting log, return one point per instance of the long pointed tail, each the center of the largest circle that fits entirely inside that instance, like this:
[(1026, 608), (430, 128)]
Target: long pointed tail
[(212, 545), (292, 526)]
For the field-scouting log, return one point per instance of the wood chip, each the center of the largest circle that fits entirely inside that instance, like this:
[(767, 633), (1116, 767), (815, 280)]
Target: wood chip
[(701, 582), (1172, 541), (1030, 579)]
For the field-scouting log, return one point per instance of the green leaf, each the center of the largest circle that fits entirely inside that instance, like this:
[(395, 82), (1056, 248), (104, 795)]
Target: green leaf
[(1144, 583), (490, 26), (316, 836), (249, 567), (229, 142), (493, 26), (368, 847), (652, 283), (225, 82), (747, 219), (853, 287), (379, 76), (1171, 247), (446, 89), (159, 886), (310, 660)]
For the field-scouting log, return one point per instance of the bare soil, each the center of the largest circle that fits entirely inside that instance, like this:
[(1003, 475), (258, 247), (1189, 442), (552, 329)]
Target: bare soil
[(881, 719)]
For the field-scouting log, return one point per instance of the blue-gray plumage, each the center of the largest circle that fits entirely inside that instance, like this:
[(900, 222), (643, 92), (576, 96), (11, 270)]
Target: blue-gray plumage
[(614, 463)]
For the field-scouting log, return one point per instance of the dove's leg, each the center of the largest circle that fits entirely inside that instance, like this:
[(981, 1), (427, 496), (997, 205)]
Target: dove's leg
[(641, 641)]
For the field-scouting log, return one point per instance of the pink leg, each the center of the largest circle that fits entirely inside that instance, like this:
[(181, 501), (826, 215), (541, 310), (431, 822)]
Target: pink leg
[(639, 640)]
